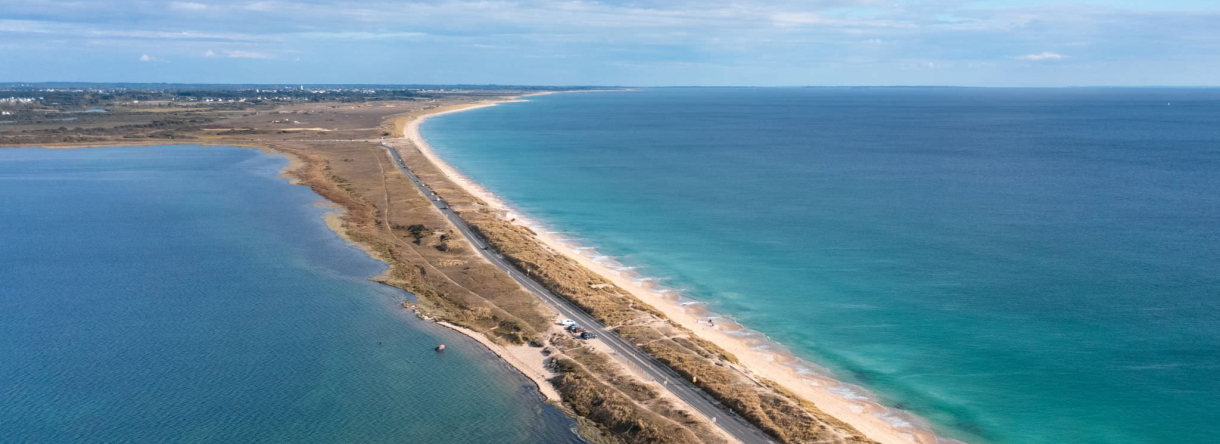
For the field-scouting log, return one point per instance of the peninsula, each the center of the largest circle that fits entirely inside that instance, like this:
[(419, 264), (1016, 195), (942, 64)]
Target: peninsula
[(656, 375)]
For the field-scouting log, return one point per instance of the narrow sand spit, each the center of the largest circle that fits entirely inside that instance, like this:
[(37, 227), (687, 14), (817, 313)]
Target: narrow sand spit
[(873, 420)]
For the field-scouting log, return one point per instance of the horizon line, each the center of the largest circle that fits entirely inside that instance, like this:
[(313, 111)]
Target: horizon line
[(500, 85)]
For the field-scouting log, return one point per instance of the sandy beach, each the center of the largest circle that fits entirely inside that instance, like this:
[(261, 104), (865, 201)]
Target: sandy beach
[(529, 361), (757, 353)]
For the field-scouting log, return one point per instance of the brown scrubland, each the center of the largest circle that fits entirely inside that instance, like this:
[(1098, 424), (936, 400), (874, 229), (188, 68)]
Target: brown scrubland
[(778, 413)]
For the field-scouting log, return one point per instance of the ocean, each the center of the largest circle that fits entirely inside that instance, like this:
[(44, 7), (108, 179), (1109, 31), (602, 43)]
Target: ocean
[(189, 294), (1009, 265)]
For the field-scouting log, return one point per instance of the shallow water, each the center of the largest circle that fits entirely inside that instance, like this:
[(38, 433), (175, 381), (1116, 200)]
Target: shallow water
[(1013, 265), (188, 294)]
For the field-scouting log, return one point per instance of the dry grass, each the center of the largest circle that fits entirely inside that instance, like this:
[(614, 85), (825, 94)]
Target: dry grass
[(613, 410), (646, 395), (396, 224), (778, 413), (453, 284)]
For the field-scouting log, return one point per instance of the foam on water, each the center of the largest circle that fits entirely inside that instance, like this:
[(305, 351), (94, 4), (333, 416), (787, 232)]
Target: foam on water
[(984, 258)]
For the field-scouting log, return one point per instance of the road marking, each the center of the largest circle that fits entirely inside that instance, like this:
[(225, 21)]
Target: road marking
[(697, 399)]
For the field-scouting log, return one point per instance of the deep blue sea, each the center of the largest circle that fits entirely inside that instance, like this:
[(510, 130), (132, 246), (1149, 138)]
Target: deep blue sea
[(1012, 265), (187, 294)]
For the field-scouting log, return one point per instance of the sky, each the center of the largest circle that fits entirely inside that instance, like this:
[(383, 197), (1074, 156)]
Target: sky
[(632, 43)]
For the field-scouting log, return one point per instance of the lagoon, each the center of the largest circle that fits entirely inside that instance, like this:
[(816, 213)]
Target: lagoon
[(190, 294)]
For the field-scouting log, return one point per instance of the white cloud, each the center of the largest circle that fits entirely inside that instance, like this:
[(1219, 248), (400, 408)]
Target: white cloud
[(797, 18), (670, 40), (189, 6), (146, 58), (1042, 56), (260, 6), (920, 65), (362, 35), (25, 26), (246, 55)]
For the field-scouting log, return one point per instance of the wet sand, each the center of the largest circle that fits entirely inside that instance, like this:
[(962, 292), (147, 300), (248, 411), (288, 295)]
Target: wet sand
[(760, 356)]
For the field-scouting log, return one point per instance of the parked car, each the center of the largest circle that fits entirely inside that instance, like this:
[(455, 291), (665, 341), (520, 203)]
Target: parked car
[(579, 330), (588, 335), (573, 327), (567, 322)]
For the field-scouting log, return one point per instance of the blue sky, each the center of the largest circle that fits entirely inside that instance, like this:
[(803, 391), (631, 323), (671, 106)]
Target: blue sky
[(679, 42)]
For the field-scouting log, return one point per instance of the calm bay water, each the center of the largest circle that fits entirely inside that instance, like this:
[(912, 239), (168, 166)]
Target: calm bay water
[(188, 294), (1013, 265)]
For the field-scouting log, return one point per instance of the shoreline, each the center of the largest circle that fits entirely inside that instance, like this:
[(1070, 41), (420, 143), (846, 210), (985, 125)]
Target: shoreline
[(528, 362), (750, 346), (768, 359), (518, 357)]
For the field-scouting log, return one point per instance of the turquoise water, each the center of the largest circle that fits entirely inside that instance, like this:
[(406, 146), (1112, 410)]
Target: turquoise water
[(188, 294), (1012, 265)]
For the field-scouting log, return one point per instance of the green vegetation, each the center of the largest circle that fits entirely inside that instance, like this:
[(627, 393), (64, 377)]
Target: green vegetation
[(416, 231)]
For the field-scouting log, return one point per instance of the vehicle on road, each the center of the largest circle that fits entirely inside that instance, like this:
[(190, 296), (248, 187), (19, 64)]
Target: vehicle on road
[(686, 392)]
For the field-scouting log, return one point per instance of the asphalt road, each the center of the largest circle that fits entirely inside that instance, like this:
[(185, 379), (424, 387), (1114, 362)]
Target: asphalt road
[(671, 380)]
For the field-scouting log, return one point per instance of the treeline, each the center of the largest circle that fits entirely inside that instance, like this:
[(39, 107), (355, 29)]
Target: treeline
[(94, 98)]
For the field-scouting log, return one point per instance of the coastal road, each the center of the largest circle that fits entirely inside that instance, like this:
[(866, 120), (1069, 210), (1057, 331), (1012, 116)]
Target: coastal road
[(697, 399)]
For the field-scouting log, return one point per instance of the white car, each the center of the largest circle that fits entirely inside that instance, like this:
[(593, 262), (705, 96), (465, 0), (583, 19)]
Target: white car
[(567, 322)]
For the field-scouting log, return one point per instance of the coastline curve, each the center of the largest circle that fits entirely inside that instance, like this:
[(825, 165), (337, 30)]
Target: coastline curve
[(768, 359)]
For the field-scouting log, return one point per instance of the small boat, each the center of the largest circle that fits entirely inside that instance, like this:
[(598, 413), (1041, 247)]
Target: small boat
[(440, 347)]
